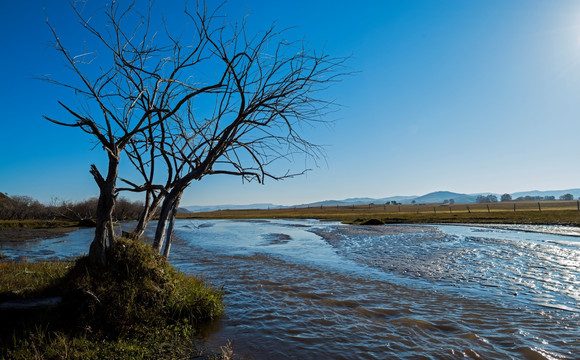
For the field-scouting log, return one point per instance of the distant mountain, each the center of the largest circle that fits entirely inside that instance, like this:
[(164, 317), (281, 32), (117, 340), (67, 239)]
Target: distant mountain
[(555, 193), (346, 202), (439, 197), (364, 200), (401, 199), (209, 208)]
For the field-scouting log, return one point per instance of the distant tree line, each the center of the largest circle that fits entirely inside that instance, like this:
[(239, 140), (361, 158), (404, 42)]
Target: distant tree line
[(486, 198), (507, 197), (567, 197), (535, 198), (27, 208)]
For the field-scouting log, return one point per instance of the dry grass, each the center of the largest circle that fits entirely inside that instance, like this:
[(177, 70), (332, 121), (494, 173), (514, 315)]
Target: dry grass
[(527, 212)]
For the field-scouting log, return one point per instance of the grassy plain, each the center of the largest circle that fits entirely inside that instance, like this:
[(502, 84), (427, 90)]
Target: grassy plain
[(526, 212)]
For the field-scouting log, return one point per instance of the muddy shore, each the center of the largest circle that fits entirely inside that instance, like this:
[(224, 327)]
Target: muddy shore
[(24, 234)]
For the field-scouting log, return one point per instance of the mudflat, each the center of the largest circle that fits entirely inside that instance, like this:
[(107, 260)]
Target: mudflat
[(23, 234)]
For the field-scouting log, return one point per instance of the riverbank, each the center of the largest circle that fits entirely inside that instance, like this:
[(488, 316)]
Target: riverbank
[(24, 230), (38, 224), (139, 307)]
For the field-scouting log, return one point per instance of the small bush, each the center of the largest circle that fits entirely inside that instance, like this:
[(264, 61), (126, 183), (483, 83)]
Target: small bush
[(137, 288)]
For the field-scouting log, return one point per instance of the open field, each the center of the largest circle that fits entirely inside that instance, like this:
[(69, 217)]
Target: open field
[(526, 212)]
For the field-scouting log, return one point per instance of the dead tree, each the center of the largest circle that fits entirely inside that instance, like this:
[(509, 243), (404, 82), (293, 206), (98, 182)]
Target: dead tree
[(126, 86), (143, 153), (271, 89)]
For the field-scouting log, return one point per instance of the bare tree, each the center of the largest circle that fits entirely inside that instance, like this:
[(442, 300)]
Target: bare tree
[(213, 100), (131, 86), (270, 91), (143, 154)]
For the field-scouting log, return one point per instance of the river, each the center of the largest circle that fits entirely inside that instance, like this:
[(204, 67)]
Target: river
[(323, 290)]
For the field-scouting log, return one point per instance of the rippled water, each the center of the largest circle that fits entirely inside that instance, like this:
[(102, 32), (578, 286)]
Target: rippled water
[(306, 289)]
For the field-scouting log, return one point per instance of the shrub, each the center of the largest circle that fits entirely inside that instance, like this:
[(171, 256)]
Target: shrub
[(136, 288)]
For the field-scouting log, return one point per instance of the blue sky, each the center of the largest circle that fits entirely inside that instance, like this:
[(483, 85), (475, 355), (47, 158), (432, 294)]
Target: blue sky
[(465, 96)]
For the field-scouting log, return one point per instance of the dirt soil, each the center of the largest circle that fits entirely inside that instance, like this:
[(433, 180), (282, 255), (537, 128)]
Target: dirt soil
[(24, 234)]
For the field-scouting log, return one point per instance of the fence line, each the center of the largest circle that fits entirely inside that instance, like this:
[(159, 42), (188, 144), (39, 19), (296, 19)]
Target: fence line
[(512, 206)]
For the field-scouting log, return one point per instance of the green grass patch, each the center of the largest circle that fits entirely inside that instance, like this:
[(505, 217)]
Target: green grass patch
[(26, 280), (177, 342), (137, 307), (36, 224)]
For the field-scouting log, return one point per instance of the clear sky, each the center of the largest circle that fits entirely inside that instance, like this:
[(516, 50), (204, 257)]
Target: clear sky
[(464, 96)]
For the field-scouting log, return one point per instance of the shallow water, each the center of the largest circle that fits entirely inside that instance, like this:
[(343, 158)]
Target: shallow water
[(307, 289)]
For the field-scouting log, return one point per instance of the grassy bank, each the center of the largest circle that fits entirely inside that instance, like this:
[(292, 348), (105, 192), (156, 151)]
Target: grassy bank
[(36, 224), (549, 213), (23, 230), (138, 307)]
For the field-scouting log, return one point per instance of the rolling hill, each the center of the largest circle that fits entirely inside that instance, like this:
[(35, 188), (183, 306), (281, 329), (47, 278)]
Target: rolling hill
[(437, 197)]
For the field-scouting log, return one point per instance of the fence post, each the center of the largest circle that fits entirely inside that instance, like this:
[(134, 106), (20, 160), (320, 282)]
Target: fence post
[(578, 203), (487, 207), (539, 207), (400, 208), (469, 211), (434, 210), (450, 209), (514, 207)]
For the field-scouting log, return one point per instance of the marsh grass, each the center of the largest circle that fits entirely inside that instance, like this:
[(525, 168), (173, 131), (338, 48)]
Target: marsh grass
[(138, 307), (167, 343), (31, 279), (36, 224)]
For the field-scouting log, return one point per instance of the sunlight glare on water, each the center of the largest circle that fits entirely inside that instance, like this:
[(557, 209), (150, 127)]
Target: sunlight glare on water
[(307, 289)]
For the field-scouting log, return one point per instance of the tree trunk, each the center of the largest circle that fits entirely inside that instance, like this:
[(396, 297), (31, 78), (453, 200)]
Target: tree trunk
[(105, 208), (142, 224), (171, 203), (160, 232), (167, 214), (148, 212), (169, 236)]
